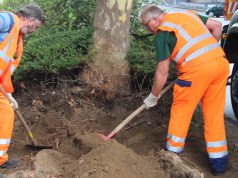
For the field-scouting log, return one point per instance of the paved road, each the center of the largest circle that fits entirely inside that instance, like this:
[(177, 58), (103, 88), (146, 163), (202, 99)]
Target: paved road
[(228, 108)]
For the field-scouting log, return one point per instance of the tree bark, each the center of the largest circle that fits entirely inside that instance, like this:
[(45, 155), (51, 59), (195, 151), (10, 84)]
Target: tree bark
[(110, 70)]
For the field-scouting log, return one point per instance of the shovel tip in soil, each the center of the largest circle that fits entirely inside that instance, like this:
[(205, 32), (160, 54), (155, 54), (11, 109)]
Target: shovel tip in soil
[(103, 137), (106, 138)]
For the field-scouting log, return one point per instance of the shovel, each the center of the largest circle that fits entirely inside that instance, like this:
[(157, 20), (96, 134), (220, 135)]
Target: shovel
[(26, 127), (131, 116)]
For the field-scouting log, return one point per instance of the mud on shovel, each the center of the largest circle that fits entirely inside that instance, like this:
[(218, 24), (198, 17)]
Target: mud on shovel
[(131, 116), (26, 127)]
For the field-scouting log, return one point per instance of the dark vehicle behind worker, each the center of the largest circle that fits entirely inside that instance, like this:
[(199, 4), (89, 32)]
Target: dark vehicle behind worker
[(215, 11)]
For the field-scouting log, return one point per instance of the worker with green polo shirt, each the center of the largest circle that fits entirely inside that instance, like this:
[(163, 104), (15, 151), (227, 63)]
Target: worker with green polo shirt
[(192, 42)]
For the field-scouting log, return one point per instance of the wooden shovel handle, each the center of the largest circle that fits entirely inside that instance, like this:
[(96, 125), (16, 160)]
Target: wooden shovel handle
[(138, 110), (129, 118), (26, 127)]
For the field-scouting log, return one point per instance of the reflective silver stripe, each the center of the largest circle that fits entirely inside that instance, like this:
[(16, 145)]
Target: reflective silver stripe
[(218, 154), (176, 139), (181, 31), (3, 53), (5, 141), (201, 51), (190, 43), (2, 153), (12, 68), (174, 149), (216, 144), (8, 44), (4, 57)]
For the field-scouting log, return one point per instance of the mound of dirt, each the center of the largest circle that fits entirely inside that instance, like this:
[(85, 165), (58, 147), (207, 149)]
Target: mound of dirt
[(106, 159)]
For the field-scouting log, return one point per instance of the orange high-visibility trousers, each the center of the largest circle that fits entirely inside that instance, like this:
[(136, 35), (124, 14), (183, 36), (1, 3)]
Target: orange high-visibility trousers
[(6, 127), (205, 81)]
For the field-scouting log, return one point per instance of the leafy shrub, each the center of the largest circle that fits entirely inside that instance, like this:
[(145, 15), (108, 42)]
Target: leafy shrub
[(142, 57), (142, 61), (55, 52), (62, 15)]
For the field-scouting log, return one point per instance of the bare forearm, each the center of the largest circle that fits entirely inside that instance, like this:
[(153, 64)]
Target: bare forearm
[(160, 77), (217, 34), (215, 28), (159, 82)]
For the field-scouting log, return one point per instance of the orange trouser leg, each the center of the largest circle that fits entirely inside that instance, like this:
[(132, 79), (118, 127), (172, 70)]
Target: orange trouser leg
[(6, 127), (184, 104), (213, 104), (194, 82)]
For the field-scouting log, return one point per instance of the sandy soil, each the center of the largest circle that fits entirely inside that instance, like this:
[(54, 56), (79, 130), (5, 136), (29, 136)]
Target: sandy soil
[(69, 118)]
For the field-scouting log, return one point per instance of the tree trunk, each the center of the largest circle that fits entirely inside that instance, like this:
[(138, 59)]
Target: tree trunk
[(110, 70)]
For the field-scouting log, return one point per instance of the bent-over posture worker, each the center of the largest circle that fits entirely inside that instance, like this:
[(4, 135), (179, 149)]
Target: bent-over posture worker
[(191, 40), (12, 27)]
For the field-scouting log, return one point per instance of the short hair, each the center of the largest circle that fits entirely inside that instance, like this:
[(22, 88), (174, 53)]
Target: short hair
[(32, 11), (150, 11)]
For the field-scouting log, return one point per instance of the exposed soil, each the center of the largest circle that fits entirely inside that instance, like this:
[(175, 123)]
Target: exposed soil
[(69, 118)]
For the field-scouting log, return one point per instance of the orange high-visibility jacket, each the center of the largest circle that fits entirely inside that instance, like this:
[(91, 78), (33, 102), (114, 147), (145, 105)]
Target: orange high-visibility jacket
[(193, 38), (13, 43)]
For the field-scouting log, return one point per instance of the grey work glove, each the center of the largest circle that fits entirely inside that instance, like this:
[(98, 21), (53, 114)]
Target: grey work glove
[(14, 103), (151, 100)]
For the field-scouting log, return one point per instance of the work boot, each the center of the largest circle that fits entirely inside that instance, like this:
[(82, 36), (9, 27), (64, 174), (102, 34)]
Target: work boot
[(11, 163), (228, 168)]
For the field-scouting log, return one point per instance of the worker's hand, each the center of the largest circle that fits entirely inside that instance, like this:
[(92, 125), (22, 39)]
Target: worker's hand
[(151, 101), (14, 103)]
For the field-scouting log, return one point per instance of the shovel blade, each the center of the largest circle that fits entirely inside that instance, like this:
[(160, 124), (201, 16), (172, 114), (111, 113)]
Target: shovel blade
[(103, 137), (106, 138)]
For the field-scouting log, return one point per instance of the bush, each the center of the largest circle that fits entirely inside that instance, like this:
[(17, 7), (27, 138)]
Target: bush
[(142, 61), (55, 52), (142, 57)]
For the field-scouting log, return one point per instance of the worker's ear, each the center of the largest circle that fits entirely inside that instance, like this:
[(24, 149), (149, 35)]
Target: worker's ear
[(156, 21), (25, 19)]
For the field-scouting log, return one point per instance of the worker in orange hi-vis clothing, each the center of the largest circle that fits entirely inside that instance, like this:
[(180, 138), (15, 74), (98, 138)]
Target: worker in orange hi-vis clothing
[(12, 27), (191, 40)]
